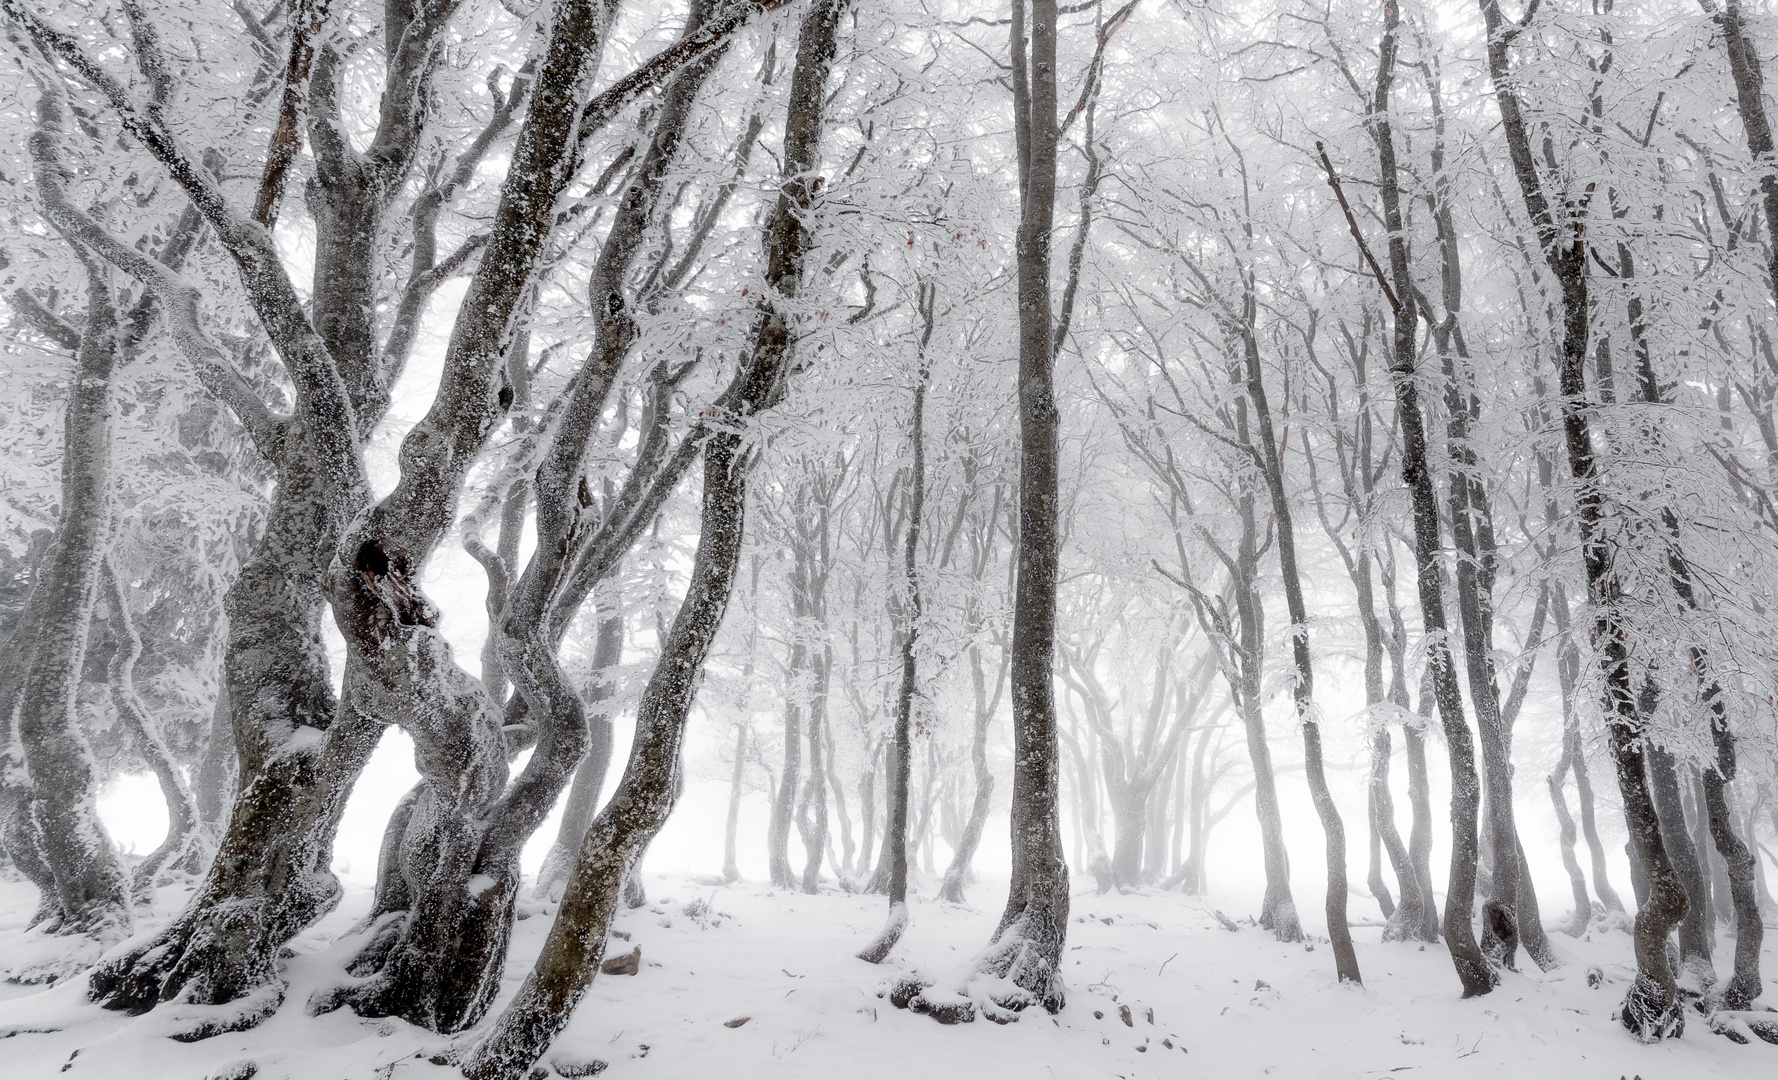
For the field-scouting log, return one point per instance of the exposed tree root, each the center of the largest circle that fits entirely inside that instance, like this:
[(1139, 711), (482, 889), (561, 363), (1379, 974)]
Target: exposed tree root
[(194, 1024), (1743, 1026)]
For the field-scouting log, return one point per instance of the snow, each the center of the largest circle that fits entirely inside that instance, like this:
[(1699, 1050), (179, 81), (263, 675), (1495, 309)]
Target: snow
[(1233, 1004)]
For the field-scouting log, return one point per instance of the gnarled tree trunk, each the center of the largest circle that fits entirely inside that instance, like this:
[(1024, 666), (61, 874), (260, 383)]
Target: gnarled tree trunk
[(54, 832), (645, 796)]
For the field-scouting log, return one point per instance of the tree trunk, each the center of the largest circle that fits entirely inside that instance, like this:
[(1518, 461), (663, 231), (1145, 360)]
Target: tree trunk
[(1425, 925), (1129, 815), (1582, 914), (91, 893), (461, 854), (613, 843), (1303, 688), (814, 799), (1472, 533), (1742, 869), (867, 809), (651, 782), (213, 784), (842, 863), (1466, 955), (1697, 932), (784, 800), (589, 775), (182, 850), (1568, 674), (956, 875), (731, 871), (1716, 906), (1745, 69), (1652, 1010), (1026, 949), (1713, 815)]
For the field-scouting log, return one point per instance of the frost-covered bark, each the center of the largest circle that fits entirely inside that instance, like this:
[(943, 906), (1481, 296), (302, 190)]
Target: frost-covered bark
[(1380, 803), (1414, 749), (272, 876), (812, 823), (1355, 453), (643, 798), (1472, 533), (895, 838), (1026, 949), (1466, 955), (1652, 1009), (1746, 71), (1303, 686), (182, 849), (1697, 937), (461, 848), (285, 818), (589, 775), (784, 798), (55, 833), (1712, 815), (651, 782), (1568, 675)]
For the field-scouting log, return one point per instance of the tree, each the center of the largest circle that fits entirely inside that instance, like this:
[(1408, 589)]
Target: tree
[(650, 785)]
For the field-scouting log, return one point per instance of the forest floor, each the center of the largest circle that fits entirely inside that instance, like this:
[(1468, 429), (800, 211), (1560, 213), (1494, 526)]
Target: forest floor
[(1232, 1004)]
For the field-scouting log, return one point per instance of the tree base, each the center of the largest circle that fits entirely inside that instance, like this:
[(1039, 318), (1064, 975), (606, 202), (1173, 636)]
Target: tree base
[(886, 939), (1281, 919), (1651, 1012), (214, 954)]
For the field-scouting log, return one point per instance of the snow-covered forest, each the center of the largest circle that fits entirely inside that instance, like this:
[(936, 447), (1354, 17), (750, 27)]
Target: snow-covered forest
[(1150, 538)]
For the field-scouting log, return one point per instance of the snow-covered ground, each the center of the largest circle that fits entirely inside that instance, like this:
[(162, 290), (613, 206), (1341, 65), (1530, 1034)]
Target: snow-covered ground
[(1232, 1004)]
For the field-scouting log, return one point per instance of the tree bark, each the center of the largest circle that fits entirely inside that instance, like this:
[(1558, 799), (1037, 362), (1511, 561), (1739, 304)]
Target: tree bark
[(895, 840), (181, 850), (1472, 968), (814, 798), (90, 892), (1303, 689), (589, 775), (1697, 933), (1652, 1009), (461, 851), (1413, 730), (1582, 914), (1568, 675), (651, 782), (784, 800), (731, 871), (1026, 949)]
